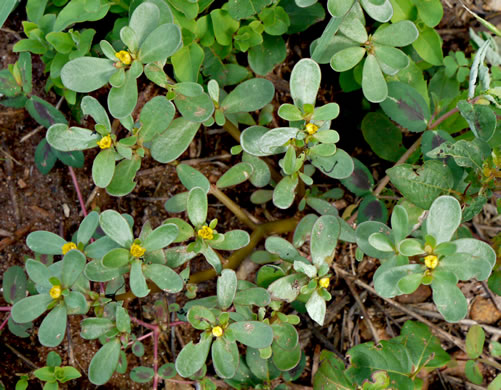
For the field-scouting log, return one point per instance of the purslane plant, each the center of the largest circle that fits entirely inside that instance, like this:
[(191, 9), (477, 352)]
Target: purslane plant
[(443, 261), (249, 328), (308, 139)]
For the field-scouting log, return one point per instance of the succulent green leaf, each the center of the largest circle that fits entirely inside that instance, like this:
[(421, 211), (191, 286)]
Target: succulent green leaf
[(390, 59), (123, 180), (30, 308), (288, 287), (193, 356), (137, 280), (212, 258), (197, 206), (226, 288), (144, 20), (103, 168), (305, 82), (398, 34), (382, 11), (105, 362), (254, 334), (164, 277), (373, 82), (53, 327), (123, 99), (66, 139), (285, 192), (443, 218), (233, 240), (411, 247), (169, 145), (364, 231), (156, 116), (315, 306), (86, 74), (39, 273), (448, 298), (115, 226), (251, 95), (73, 264), (161, 43), (338, 166), (235, 175), (324, 236), (161, 237), (44, 242)]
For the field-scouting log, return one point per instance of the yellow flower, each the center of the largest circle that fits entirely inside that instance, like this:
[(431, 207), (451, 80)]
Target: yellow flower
[(105, 142), (55, 292), (217, 331), (124, 57), (206, 233), (311, 128), (431, 261), (68, 247), (137, 250), (324, 282)]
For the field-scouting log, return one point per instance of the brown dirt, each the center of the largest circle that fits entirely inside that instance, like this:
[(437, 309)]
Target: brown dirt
[(31, 201)]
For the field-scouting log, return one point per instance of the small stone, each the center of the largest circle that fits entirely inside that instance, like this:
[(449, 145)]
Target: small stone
[(66, 210), (484, 311), (420, 295), (21, 183)]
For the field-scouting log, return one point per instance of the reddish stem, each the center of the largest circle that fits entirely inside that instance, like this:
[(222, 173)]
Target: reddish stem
[(155, 358), (149, 334), (145, 324), (4, 322), (77, 189), (5, 308)]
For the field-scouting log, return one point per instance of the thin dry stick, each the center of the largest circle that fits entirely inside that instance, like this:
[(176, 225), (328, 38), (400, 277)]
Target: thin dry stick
[(455, 340), (21, 356), (367, 319), (491, 295), (77, 189), (31, 134), (466, 322), (241, 214)]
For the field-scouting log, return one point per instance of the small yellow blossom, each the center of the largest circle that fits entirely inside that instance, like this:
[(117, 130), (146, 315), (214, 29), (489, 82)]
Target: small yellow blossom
[(124, 57), (311, 128), (428, 249), (105, 142), (206, 233), (324, 282), (68, 247), (55, 292), (217, 331), (137, 250), (431, 261)]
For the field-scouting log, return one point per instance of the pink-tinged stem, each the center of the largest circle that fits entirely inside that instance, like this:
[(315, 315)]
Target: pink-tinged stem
[(149, 334), (77, 189), (5, 308), (4, 322), (145, 324), (176, 323), (155, 358)]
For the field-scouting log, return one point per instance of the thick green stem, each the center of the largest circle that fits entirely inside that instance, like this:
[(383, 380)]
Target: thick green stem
[(275, 227), (234, 208)]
